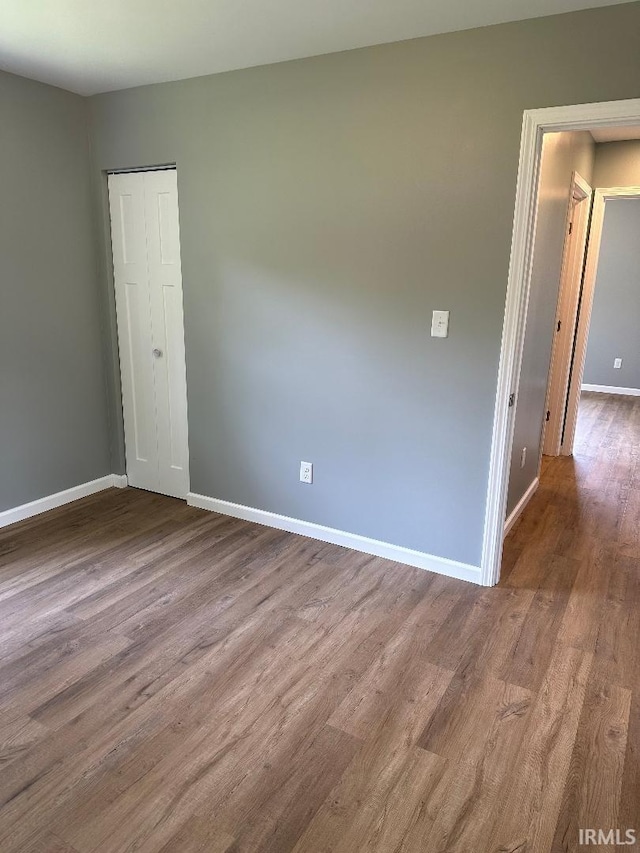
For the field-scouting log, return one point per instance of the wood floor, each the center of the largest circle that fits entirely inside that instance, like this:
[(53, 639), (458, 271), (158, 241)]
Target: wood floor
[(173, 680)]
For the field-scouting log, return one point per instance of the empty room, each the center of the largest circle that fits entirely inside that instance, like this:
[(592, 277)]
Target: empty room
[(320, 426)]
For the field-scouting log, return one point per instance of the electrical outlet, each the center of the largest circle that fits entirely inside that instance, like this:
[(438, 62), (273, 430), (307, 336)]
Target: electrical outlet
[(617, 363), (523, 457), (306, 472)]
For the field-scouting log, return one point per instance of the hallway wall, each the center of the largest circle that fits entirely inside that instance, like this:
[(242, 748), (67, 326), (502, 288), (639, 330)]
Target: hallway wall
[(615, 317), (617, 164)]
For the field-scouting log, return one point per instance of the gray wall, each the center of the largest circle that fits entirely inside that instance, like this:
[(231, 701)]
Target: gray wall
[(53, 431), (327, 207), (617, 164), (615, 319), (562, 153)]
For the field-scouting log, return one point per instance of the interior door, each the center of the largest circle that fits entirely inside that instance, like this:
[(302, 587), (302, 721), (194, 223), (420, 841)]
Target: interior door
[(145, 240)]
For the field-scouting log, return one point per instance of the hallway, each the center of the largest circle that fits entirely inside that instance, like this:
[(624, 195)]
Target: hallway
[(578, 545), (587, 504)]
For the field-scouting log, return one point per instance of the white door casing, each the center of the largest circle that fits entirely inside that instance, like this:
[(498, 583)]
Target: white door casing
[(145, 240)]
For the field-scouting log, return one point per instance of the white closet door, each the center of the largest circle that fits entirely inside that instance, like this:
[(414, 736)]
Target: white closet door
[(135, 339), (165, 276), (148, 285)]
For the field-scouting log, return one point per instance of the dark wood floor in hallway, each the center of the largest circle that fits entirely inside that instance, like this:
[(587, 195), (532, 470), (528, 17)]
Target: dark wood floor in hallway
[(177, 681)]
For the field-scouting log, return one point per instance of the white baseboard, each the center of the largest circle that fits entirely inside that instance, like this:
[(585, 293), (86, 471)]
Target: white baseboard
[(521, 505), (418, 559), (19, 513), (612, 389)]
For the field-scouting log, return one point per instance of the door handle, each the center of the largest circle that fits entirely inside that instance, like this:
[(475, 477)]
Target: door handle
[(157, 353)]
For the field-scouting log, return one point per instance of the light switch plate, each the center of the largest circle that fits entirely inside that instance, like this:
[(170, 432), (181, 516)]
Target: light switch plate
[(440, 324)]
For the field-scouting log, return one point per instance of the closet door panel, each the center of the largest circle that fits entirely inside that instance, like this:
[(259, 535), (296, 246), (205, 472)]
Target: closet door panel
[(134, 315), (165, 277)]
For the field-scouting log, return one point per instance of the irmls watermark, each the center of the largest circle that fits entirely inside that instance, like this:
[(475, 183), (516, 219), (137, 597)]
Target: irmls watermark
[(612, 837)]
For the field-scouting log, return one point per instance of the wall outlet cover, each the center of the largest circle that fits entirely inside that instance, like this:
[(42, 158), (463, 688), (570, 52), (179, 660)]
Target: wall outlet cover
[(440, 324)]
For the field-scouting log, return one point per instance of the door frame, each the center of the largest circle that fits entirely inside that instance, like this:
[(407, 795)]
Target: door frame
[(535, 124), (576, 234), (601, 197)]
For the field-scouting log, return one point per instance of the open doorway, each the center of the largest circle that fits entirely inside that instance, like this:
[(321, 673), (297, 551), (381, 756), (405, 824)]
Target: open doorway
[(608, 335), (529, 389), (566, 281), (597, 267), (556, 437), (561, 222), (618, 314)]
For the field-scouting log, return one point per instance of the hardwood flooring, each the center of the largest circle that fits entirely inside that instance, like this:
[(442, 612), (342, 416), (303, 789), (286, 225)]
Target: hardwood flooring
[(175, 681)]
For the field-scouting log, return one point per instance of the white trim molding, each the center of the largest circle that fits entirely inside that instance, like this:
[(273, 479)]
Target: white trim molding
[(535, 123), (418, 559), (611, 389), (520, 507), (19, 513)]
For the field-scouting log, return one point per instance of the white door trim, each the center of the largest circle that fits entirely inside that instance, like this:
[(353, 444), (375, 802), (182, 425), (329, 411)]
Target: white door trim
[(535, 123)]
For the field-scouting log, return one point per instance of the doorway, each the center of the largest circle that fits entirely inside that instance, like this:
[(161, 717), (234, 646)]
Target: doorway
[(145, 240), (601, 197), (556, 437), (536, 123)]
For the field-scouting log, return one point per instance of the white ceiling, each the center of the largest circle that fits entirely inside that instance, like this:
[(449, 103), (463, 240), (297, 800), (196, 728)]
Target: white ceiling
[(615, 134), (91, 46)]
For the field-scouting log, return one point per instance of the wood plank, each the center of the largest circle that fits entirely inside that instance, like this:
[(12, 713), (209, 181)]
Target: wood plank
[(592, 793), (272, 812), (49, 843), (473, 712), (536, 642), (198, 835), (17, 736), (382, 792), (533, 797), (630, 789)]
